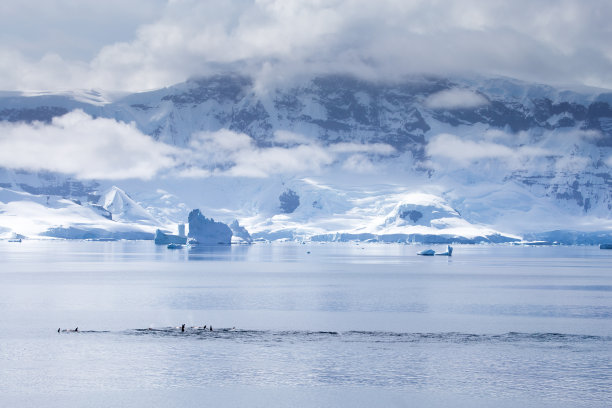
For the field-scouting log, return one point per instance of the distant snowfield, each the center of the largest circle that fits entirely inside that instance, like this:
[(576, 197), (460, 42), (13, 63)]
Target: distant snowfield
[(35, 216), (324, 211), (403, 210), (387, 212)]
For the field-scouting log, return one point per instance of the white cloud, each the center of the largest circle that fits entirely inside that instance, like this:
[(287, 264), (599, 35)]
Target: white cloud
[(495, 153), (229, 153), (572, 164), (88, 148), (546, 40), (222, 141), (590, 135), (455, 99), (85, 147), (276, 160), (450, 147), (359, 163), (235, 154), (193, 172), (290, 138)]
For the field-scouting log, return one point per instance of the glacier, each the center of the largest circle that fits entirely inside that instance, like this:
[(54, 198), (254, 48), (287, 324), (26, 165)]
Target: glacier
[(427, 159)]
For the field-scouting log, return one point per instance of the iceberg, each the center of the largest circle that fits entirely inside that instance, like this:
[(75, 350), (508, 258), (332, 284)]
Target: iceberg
[(116, 204), (240, 234), (161, 238), (449, 251), (207, 231), (431, 252)]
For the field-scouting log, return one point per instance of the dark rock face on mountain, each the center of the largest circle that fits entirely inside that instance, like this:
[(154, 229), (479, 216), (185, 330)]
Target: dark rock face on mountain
[(331, 109), (289, 201), (40, 114), (230, 88)]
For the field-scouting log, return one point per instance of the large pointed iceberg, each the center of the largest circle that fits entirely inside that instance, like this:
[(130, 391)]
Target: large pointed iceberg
[(124, 208), (207, 231)]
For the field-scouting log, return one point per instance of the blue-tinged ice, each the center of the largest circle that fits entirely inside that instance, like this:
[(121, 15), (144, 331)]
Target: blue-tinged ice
[(431, 252), (161, 238), (240, 234), (207, 231), (449, 251)]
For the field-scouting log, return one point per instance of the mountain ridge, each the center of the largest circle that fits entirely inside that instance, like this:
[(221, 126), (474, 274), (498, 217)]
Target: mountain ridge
[(552, 146)]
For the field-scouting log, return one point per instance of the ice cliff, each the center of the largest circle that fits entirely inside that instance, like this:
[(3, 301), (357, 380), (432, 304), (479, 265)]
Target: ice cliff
[(206, 231)]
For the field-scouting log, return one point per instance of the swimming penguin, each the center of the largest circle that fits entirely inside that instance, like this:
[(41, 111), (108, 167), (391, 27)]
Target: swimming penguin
[(70, 330)]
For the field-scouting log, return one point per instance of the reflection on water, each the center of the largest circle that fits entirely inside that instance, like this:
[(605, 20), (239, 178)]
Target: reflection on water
[(216, 252), (494, 322)]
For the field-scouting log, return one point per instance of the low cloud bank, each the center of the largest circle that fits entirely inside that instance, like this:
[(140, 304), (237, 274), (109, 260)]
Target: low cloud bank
[(455, 99), (233, 154), (79, 145), (85, 147), (560, 150)]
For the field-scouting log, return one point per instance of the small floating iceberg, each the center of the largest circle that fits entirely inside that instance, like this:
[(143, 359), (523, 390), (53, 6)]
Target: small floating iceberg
[(449, 251), (175, 246), (16, 237), (431, 252), (161, 238), (427, 252), (605, 246)]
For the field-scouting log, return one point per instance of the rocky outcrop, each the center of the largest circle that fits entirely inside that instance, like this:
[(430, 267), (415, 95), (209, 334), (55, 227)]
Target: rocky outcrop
[(289, 201)]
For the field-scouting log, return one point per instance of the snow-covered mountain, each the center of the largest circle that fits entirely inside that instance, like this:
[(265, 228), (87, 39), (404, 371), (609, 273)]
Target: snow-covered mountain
[(477, 158)]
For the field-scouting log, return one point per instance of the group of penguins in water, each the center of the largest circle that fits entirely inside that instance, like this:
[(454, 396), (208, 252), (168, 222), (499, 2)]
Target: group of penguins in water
[(205, 327), (194, 327)]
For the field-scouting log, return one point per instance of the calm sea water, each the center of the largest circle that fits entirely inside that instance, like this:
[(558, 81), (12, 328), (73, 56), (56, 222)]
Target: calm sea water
[(304, 325)]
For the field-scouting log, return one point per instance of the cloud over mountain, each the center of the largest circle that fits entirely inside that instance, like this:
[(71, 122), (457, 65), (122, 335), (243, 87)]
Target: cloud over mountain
[(100, 148), (87, 148), (545, 40)]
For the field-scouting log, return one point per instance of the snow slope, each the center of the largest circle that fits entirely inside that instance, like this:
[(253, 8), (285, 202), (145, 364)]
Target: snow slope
[(37, 216)]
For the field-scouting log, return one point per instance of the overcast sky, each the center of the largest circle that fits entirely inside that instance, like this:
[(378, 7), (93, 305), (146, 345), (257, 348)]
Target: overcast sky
[(145, 44)]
